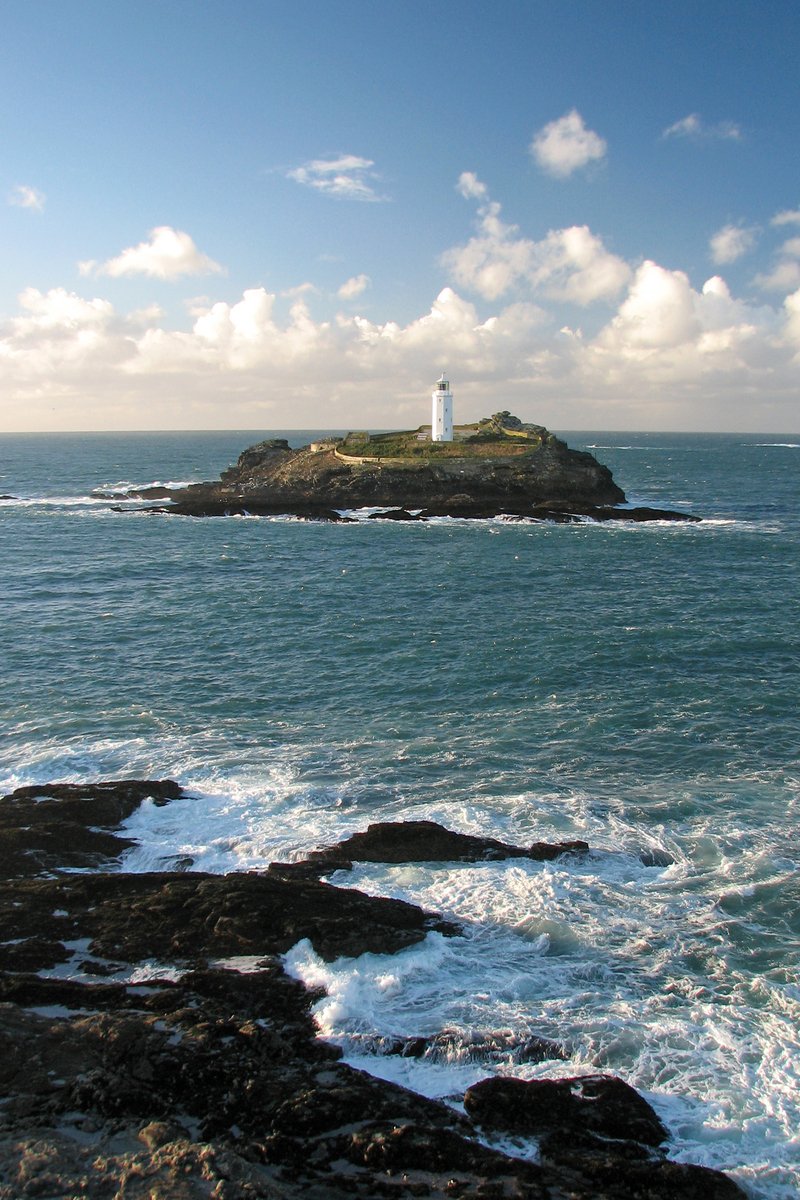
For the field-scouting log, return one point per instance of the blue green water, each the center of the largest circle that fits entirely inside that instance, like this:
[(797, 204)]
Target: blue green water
[(633, 685)]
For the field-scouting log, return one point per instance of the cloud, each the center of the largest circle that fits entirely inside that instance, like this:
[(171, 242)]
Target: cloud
[(660, 353), (232, 338), (785, 274), (568, 264), (658, 312), (669, 356), (666, 334), (789, 216), (347, 177), (731, 242), (168, 254), (470, 186), (354, 287), (566, 145), (697, 130), (24, 196)]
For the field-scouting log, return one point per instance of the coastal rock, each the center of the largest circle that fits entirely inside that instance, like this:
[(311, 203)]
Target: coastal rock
[(396, 514), (600, 1105), (594, 1130), (154, 491), (67, 825), (188, 917), (152, 1046), (426, 841), (456, 1045)]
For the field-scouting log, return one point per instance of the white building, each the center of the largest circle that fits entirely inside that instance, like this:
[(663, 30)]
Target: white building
[(442, 414)]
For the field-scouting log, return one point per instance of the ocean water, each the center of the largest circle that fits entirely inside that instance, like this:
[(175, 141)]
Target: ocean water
[(632, 685)]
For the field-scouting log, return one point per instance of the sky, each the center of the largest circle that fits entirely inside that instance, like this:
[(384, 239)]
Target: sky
[(262, 215)]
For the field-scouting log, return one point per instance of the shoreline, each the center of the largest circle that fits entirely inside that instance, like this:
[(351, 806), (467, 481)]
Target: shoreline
[(140, 1048)]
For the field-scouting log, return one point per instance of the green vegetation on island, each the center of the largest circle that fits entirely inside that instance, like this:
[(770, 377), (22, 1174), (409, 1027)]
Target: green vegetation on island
[(501, 435)]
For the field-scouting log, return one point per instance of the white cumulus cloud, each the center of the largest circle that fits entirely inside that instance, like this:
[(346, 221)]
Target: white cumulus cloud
[(658, 312), (167, 254), (24, 196), (731, 243), (347, 177), (566, 145), (568, 264), (470, 186), (665, 354)]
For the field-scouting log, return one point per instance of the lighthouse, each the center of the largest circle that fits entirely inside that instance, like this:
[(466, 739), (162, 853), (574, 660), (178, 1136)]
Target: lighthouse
[(442, 412)]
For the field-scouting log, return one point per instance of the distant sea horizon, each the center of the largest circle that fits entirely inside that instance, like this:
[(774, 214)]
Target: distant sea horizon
[(318, 429)]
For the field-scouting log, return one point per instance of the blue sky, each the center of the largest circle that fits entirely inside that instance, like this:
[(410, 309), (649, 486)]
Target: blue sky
[(255, 215)]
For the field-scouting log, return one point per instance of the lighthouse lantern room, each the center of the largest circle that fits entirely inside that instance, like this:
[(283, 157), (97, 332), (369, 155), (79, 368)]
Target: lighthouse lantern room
[(442, 414)]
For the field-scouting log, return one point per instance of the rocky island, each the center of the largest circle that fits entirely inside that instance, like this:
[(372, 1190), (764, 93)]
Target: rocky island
[(495, 467), (152, 1046)]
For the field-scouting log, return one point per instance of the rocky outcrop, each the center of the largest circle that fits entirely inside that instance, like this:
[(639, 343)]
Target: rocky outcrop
[(152, 1047), (277, 479), (421, 841), (503, 468), (71, 826)]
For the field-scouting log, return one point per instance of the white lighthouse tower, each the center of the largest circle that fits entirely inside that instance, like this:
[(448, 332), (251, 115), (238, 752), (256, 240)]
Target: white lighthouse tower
[(442, 414)]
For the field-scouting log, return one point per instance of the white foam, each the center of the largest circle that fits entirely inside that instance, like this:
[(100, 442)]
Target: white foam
[(636, 970), (598, 954)]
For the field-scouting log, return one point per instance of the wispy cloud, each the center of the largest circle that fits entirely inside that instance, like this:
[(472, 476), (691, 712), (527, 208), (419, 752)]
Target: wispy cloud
[(347, 177), (785, 274), (24, 196), (566, 145), (731, 242), (789, 216), (695, 128), (168, 254)]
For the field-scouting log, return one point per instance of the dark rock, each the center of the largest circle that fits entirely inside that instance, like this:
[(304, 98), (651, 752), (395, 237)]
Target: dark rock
[(188, 916), (427, 841), (600, 1105), (656, 858), (154, 492), (640, 513), (395, 514), (455, 1045), (213, 506), (58, 825), (213, 1082), (263, 454)]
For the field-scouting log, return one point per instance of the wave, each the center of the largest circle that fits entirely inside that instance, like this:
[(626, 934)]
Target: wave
[(55, 502)]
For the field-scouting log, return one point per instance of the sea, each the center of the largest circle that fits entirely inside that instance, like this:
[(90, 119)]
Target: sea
[(631, 685)]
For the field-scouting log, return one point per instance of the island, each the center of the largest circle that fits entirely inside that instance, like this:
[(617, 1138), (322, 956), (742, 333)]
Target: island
[(498, 466)]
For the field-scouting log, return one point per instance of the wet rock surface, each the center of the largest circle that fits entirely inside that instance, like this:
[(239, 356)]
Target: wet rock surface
[(152, 1046), (454, 1045), (67, 825)]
